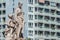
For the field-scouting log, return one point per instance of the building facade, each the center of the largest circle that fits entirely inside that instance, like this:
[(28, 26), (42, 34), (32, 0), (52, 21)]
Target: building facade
[(42, 19), (6, 7)]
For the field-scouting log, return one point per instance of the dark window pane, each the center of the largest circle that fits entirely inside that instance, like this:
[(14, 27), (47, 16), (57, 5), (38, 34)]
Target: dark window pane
[(58, 33), (30, 9), (47, 10), (40, 32), (35, 32), (52, 10), (47, 33), (40, 9), (46, 25), (58, 5), (0, 5), (58, 12), (58, 26), (40, 17), (47, 3), (4, 4), (58, 20), (52, 18), (52, 33), (30, 17), (47, 18), (4, 11), (4, 19), (36, 9), (0, 12), (40, 25), (35, 24), (36, 16), (13, 10), (52, 26), (3, 26), (0, 19)]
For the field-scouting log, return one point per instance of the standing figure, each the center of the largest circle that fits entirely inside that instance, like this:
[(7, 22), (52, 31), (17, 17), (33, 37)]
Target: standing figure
[(20, 20), (15, 25)]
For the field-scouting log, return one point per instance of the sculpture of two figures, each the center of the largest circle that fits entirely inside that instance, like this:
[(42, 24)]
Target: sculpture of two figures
[(15, 25)]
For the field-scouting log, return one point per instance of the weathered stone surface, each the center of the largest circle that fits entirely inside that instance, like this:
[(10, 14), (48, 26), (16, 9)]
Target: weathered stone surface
[(15, 25)]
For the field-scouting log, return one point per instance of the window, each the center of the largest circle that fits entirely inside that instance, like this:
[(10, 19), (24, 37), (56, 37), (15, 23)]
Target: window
[(47, 33), (52, 11), (52, 26), (40, 32), (36, 32), (52, 18), (36, 25), (58, 5), (30, 25), (47, 18), (0, 26), (30, 33), (40, 17), (3, 26), (40, 9), (30, 9), (58, 12), (40, 25), (36, 16), (36, 9), (58, 20), (30, 17), (0, 12), (52, 33), (53, 4), (58, 34), (13, 10), (30, 1), (47, 3), (4, 11), (0, 19), (46, 26), (0, 5), (4, 19), (47, 10), (4, 4), (58, 26)]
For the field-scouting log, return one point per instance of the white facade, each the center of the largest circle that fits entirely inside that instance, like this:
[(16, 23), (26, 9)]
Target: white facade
[(42, 20)]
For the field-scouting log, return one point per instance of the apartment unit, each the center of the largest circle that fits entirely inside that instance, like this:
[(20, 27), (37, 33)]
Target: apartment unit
[(42, 19), (6, 7)]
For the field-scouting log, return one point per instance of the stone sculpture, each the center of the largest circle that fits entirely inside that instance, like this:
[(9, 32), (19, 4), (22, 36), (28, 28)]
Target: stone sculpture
[(15, 25)]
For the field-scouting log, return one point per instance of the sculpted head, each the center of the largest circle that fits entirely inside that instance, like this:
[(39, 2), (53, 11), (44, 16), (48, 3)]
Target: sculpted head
[(19, 5)]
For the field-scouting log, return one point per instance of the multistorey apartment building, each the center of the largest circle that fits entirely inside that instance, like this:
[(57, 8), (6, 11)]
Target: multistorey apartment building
[(42, 19)]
